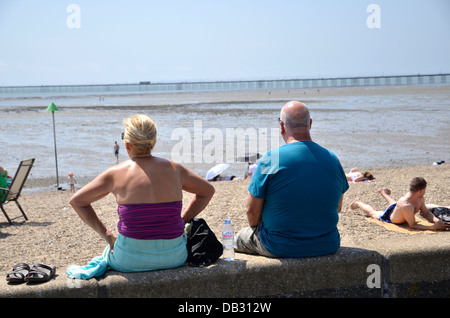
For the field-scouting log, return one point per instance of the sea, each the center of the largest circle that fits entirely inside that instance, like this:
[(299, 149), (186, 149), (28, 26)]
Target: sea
[(371, 126)]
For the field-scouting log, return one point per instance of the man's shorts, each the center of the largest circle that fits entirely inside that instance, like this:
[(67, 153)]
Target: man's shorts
[(385, 216), (248, 241)]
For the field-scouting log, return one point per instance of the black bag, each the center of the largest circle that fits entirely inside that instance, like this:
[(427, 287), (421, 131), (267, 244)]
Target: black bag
[(202, 244), (442, 213)]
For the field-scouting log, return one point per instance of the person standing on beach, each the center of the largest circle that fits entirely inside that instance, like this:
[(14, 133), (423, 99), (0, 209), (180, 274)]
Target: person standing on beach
[(71, 181), (404, 210), (250, 170), (294, 199), (116, 151)]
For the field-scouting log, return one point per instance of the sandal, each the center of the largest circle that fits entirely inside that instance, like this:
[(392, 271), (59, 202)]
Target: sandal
[(18, 274), (40, 273)]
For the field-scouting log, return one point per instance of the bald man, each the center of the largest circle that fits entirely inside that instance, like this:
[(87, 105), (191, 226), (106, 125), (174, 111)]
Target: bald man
[(295, 195)]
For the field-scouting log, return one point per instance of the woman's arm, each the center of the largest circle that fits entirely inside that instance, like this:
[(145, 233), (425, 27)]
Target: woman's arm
[(81, 202), (203, 192)]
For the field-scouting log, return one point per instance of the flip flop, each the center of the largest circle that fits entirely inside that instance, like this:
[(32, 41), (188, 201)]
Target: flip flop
[(40, 273), (18, 274)]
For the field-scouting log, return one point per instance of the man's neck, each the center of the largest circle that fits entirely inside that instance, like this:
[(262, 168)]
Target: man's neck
[(292, 139), (413, 197)]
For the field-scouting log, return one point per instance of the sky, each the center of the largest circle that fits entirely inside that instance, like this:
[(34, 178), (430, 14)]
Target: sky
[(58, 42)]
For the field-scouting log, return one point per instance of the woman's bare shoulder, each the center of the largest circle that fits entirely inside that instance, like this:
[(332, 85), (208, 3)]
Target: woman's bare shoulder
[(169, 163)]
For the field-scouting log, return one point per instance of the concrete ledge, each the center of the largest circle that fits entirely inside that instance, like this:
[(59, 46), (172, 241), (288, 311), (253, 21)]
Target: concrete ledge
[(399, 272)]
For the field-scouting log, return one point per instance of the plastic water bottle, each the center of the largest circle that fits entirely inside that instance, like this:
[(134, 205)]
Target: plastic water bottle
[(228, 241)]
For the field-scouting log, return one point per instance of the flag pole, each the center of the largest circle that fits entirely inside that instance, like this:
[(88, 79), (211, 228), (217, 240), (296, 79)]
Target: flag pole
[(52, 107)]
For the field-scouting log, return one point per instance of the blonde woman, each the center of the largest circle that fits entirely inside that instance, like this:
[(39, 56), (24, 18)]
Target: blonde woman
[(148, 192)]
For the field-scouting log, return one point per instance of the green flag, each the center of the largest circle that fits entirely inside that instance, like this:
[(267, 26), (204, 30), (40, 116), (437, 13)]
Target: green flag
[(52, 107)]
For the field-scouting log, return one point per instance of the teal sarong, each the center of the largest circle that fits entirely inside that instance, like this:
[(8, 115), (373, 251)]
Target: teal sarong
[(132, 255)]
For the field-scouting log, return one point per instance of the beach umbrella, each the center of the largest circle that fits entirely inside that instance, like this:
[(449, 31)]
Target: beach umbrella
[(249, 157), (216, 170), (52, 107)]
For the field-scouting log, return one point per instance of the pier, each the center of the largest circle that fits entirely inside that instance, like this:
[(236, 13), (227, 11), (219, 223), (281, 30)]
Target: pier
[(306, 83)]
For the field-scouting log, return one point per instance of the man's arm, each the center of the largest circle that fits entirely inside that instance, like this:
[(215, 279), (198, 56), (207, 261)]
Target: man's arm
[(427, 215), (340, 204), (408, 213), (254, 210), (438, 223)]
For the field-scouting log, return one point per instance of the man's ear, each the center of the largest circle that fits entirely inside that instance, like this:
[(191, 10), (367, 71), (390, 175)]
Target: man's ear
[(282, 128)]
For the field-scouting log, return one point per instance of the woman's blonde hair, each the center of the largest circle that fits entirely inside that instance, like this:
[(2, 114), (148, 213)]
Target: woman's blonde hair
[(140, 132)]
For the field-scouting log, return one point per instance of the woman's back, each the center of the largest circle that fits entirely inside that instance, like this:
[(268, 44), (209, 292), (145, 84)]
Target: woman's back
[(147, 180)]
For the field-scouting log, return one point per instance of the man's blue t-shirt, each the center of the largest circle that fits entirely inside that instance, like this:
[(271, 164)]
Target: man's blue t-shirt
[(301, 184)]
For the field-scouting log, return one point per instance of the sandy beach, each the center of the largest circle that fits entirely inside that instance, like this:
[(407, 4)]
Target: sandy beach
[(54, 234)]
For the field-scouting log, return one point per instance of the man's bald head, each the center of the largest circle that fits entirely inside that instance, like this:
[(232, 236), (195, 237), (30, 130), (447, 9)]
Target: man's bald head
[(295, 114)]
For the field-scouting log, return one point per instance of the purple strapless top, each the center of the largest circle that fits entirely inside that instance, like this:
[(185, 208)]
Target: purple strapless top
[(151, 221)]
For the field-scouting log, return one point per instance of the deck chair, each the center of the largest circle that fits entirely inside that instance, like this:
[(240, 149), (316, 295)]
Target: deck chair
[(13, 191)]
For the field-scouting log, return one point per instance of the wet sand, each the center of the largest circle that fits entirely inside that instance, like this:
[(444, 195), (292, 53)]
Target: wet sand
[(54, 234)]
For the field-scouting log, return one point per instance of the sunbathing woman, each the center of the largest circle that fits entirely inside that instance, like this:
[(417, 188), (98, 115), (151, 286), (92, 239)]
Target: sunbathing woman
[(148, 191), (357, 176)]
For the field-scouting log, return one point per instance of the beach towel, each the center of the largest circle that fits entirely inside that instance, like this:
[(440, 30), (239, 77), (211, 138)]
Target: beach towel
[(133, 255), (402, 228), (365, 180), (97, 267)]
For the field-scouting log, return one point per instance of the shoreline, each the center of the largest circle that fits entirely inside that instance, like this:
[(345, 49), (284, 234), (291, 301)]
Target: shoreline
[(175, 98), (54, 234)]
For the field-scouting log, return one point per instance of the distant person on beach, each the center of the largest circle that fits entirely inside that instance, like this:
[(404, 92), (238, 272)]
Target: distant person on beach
[(149, 192), (116, 151), (71, 181), (295, 195), (250, 170), (405, 208), (3, 181), (356, 176)]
